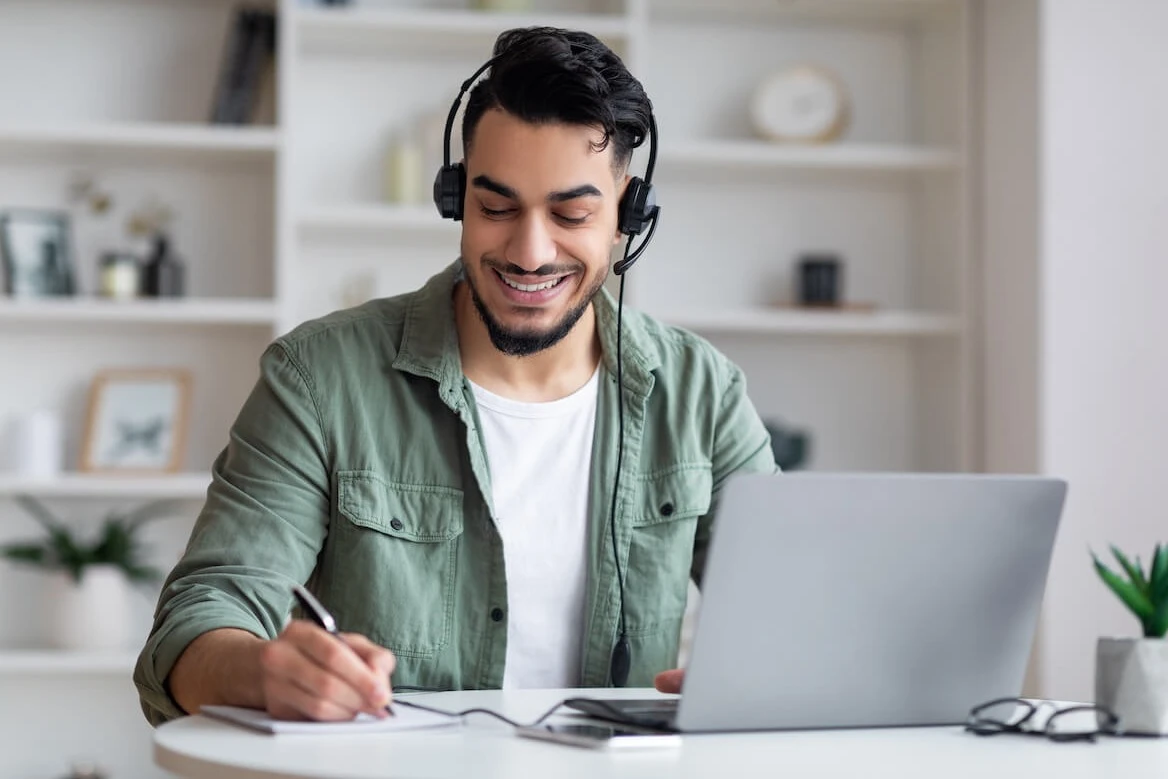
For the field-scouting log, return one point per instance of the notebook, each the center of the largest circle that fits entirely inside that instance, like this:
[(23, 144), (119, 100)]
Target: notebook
[(404, 719)]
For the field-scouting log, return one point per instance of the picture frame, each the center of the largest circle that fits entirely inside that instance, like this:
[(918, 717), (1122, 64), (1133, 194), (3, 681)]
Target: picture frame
[(36, 252), (136, 421)]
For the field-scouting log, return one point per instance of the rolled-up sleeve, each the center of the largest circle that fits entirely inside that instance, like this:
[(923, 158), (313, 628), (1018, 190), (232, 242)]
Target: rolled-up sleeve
[(262, 527), (741, 445)]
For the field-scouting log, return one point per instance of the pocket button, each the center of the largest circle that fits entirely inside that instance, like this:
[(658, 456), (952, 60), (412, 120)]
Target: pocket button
[(396, 524), (666, 509)]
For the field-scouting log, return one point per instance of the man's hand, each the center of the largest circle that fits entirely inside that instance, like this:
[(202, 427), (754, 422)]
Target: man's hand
[(308, 674), (669, 681)]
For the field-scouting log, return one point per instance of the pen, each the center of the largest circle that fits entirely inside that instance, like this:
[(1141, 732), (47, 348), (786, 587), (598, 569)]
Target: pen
[(320, 615)]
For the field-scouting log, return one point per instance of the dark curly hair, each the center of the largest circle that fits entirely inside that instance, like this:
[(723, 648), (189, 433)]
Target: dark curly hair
[(548, 75)]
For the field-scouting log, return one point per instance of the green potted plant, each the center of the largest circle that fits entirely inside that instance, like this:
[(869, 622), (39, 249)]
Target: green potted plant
[(1131, 674), (89, 594)]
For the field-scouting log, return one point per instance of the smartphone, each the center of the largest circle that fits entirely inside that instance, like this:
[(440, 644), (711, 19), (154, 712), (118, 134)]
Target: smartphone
[(601, 736)]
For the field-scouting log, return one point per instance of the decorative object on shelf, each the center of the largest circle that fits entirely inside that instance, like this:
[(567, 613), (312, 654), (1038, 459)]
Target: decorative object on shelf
[(136, 421), (89, 594), (84, 189), (150, 219), (86, 771), (1131, 674), (503, 5), (820, 280), (36, 444), (163, 272), (35, 252), (119, 276), (404, 169), (790, 446), (357, 289), (245, 68), (801, 104)]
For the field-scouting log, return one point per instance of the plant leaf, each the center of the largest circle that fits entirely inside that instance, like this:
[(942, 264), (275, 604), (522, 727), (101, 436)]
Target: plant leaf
[(39, 512), (1130, 594), (1135, 572), (24, 553), (1158, 578)]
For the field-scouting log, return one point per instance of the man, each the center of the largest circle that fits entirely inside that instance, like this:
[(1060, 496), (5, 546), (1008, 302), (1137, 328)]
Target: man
[(438, 467)]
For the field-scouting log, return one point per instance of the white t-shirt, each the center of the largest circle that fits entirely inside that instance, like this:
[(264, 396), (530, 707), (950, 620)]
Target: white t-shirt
[(540, 457)]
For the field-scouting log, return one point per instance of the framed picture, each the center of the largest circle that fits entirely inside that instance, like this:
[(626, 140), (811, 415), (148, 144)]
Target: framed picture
[(137, 421), (36, 253)]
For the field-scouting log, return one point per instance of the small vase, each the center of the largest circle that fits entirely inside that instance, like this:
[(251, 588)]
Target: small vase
[(1131, 679), (162, 274), (93, 615)]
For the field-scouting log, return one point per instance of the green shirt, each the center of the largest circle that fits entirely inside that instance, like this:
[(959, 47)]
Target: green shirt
[(357, 465)]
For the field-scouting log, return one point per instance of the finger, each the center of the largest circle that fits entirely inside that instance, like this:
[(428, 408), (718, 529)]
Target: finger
[(670, 681), (291, 702), (375, 656), (335, 671)]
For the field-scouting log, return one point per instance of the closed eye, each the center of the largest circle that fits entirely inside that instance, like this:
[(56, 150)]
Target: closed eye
[(491, 213)]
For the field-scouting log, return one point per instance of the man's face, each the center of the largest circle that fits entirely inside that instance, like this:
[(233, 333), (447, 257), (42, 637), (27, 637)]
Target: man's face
[(539, 225)]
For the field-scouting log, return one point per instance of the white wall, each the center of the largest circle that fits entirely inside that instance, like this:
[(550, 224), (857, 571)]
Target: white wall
[(1104, 279), (1074, 220)]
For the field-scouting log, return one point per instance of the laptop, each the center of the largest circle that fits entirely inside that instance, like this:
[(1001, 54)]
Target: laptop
[(861, 600)]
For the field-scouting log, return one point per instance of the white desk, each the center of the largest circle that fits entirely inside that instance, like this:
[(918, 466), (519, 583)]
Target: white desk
[(198, 748)]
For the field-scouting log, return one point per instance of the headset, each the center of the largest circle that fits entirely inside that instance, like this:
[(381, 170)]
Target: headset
[(637, 212)]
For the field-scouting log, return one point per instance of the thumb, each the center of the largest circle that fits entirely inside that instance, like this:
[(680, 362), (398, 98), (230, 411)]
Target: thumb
[(669, 681)]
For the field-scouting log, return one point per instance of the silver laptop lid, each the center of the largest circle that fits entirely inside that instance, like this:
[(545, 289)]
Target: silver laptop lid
[(843, 600)]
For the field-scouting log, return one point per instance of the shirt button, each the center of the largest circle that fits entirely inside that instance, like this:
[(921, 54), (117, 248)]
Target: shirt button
[(666, 509), (497, 614), (396, 524)]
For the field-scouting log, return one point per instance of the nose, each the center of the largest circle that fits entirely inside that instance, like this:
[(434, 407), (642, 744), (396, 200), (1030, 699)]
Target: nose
[(531, 245)]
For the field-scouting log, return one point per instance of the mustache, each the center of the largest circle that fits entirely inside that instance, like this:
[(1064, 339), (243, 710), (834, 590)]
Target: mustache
[(511, 269)]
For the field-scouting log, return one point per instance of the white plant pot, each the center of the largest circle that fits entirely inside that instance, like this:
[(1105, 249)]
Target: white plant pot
[(94, 615), (1131, 679)]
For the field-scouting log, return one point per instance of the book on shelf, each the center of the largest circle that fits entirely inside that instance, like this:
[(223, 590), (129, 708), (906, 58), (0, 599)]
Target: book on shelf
[(245, 90)]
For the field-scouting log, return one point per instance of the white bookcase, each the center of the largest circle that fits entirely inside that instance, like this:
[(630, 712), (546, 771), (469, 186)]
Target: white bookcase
[(282, 223)]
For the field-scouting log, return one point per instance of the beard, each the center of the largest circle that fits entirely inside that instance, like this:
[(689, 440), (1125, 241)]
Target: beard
[(521, 342)]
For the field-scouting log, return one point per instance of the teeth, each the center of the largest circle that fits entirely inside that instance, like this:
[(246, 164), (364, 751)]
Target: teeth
[(529, 287)]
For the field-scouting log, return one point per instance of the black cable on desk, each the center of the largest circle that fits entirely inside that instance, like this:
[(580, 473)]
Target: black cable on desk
[(488, 712)]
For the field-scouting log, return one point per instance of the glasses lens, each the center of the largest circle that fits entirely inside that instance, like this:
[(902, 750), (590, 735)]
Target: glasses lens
[(1002, 714), (1076, 722)]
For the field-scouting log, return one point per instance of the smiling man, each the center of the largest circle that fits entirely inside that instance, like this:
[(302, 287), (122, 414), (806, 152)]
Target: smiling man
[(439, 467)]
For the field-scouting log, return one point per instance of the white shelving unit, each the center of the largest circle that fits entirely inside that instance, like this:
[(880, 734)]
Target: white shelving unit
[(853, 157), (83, 485), (97, 311), (145, 137), (32, 662), (765, 322), (282, 223)]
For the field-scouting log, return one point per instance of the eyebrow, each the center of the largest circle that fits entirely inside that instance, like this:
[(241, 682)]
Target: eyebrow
[(584, 190)]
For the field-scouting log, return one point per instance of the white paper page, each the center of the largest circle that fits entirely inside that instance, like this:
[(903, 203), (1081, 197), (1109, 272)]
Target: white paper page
[(404, 719)]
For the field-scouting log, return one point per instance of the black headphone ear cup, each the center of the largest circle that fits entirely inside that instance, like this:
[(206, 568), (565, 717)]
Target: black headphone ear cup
[(450, 190), (636, 207)]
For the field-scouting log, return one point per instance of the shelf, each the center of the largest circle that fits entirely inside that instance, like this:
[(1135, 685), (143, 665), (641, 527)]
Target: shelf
[(192, 311), (23, 661), (80, 485), (836, 11), (175, 139), (424, 30), (844, 157), (374, 217), (798, 322)]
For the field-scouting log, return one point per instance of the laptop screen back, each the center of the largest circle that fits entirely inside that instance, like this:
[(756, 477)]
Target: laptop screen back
[(836, 600)]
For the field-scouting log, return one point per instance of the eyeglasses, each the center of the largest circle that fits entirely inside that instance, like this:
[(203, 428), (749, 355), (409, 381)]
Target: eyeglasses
[(1081, 722)]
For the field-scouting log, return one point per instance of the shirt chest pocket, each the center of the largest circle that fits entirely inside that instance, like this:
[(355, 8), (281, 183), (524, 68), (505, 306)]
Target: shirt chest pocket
[(394, 560), (664, 522)]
